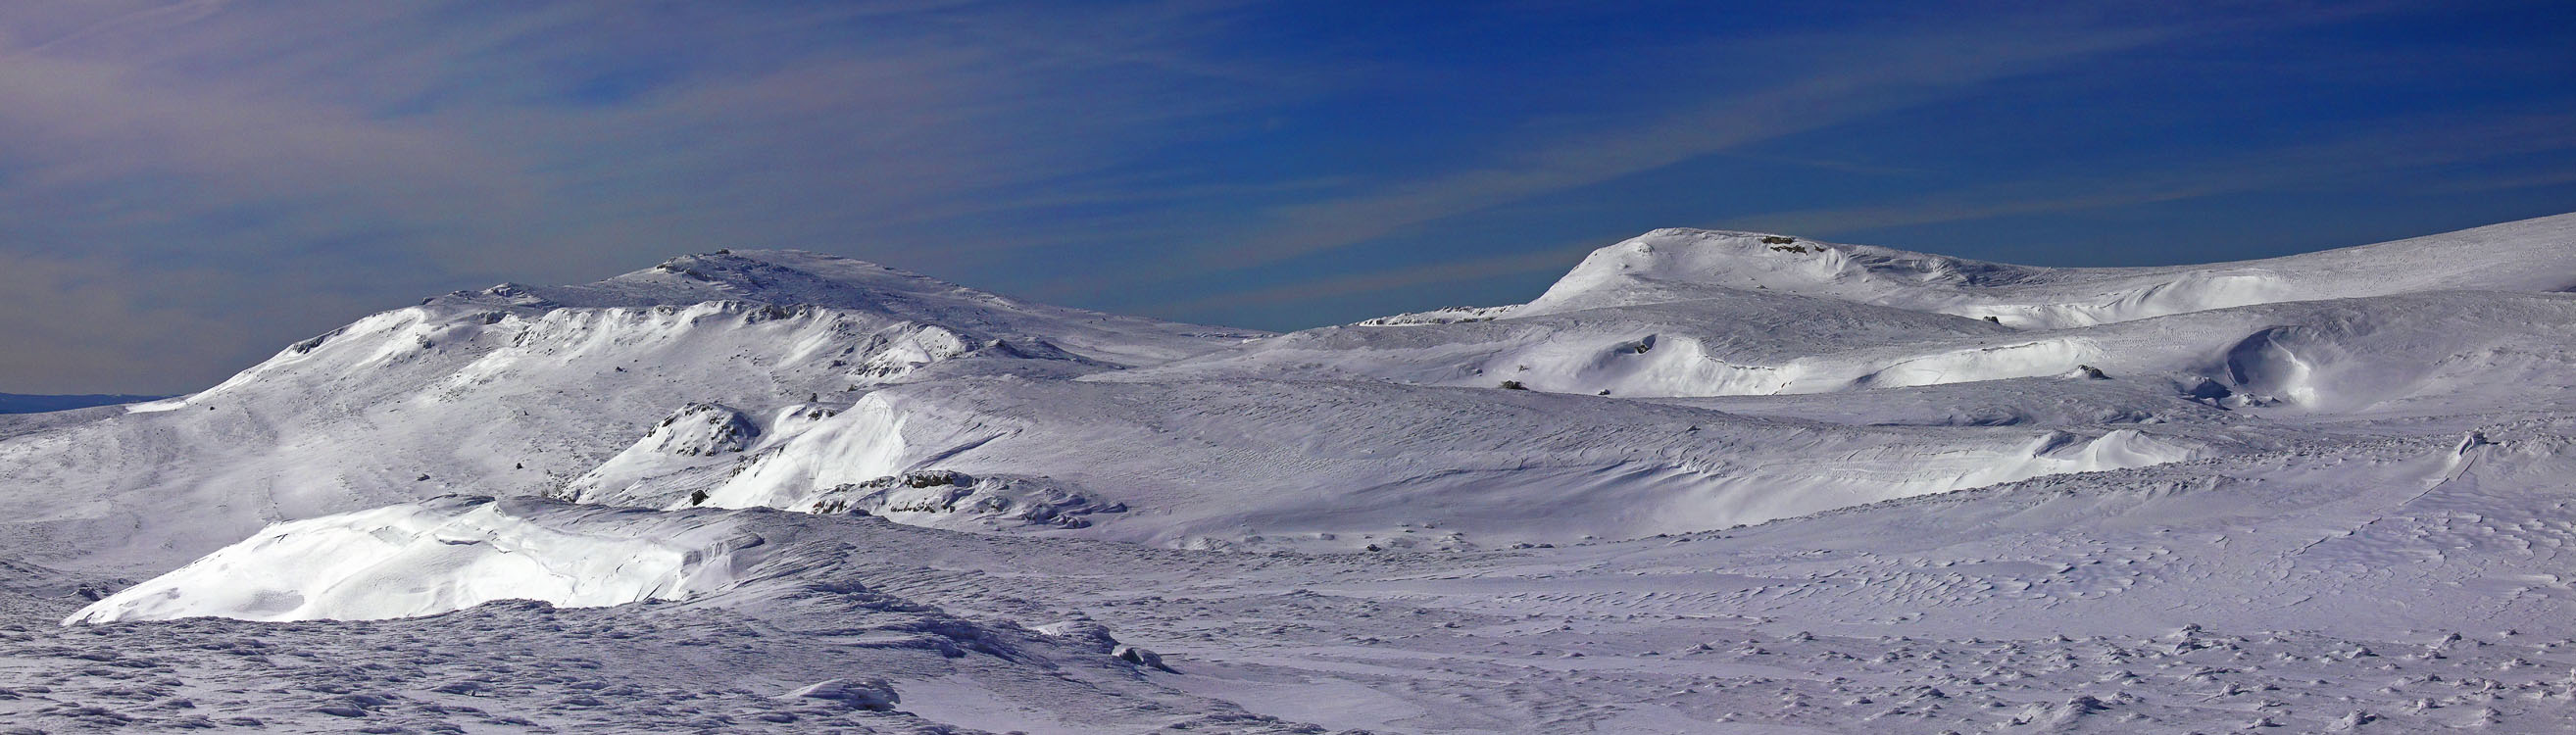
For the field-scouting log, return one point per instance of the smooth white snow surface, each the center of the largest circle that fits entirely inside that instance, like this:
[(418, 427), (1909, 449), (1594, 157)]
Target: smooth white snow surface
[(434, 557), (1735, 482)]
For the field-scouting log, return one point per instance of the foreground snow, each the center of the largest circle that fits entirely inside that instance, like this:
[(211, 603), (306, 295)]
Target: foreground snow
[(1749, 483), (377, 564)]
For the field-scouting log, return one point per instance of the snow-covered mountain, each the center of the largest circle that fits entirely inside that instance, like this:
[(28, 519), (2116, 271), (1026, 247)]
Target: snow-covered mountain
[(516, 390), (1702, 313), (1707, 479), (1670, 265)]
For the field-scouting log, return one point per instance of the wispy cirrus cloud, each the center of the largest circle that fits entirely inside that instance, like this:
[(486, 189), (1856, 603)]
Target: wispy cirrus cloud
[(2323, 164), (1866, 77), (1850, 73), (265, 171), (337, 152)]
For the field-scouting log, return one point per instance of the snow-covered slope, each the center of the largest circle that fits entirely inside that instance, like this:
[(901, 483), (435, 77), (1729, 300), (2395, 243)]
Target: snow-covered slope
[(807, 382), (1354, 464), (1702, 313), (2404, 583), (515, 391), (2531, 255), (1708, 480), (745, 621)]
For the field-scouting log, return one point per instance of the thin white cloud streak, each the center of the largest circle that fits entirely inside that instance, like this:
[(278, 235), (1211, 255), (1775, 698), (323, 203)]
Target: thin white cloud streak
[(333, 153), (339, 153), (1857, 77)]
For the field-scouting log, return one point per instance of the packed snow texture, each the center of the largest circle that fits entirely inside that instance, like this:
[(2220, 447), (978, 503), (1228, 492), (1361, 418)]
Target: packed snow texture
[(1708, 482)]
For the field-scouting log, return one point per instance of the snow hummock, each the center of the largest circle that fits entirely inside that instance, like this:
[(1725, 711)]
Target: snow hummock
[(438, 556)]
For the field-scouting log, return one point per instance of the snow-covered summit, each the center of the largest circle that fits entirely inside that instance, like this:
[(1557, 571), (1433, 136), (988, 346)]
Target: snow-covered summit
[(1678, 313), (1641, 269), (515, 390), (785, 277), (798, 278), (1680, 264)]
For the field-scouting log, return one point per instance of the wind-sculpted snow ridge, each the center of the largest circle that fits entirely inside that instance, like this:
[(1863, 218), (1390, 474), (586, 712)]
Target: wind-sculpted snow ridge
[(444, 555), (456, 552)]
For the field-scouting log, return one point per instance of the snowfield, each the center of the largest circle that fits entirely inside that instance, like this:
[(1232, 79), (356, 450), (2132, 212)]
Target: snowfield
[(1707, 482)]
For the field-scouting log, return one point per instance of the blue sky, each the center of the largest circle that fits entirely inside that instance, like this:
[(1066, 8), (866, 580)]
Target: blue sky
[(187, 186)]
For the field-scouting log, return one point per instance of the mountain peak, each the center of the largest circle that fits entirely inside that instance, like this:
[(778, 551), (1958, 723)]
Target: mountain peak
[(777, 277), (1658, 260), (1676, 264)]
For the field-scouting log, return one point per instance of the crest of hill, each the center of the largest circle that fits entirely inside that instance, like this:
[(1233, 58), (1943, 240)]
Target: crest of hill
[(1711, 313), (2536, 255), (784, 277), (803, 278)]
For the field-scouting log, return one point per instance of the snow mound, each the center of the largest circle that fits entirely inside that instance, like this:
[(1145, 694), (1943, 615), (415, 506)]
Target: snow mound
[(870, 693), (827, 460), (700, 429), (443, 555)]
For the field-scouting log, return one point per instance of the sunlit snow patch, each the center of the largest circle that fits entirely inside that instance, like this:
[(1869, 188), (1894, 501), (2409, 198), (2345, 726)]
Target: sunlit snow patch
[(441, 555)]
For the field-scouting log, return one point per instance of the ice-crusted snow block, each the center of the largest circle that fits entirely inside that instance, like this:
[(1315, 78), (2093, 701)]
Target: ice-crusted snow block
[(442, 555), (869, 693)]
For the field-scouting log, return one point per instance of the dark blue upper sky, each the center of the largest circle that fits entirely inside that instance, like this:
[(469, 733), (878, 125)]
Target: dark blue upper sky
[(187, 186)]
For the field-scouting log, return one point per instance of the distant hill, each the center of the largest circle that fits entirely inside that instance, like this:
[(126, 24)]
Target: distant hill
[(21, 403)]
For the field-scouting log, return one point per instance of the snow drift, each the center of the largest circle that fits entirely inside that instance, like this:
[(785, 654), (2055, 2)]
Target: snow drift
[(442, 555)]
